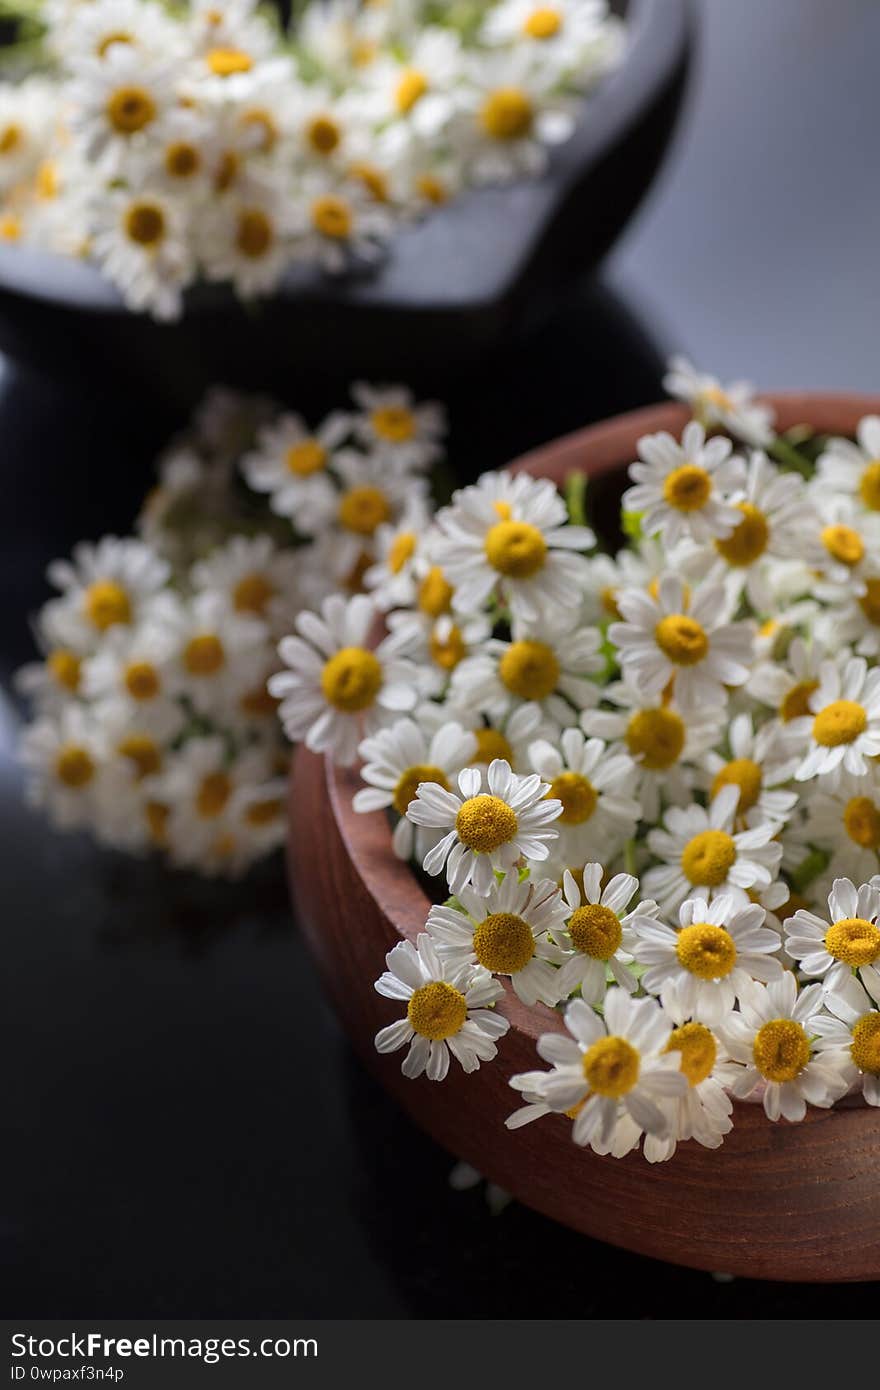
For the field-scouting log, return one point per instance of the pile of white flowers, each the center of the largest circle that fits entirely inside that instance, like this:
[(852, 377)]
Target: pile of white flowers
[(154, 724), (649, 781), (168, 143)]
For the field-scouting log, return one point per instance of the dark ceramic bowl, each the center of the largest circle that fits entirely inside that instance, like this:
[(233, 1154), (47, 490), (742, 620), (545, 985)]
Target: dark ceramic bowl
[(453, 287)]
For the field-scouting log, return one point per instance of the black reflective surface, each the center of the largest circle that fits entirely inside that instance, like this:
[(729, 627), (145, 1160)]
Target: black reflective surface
[(184, 1130)]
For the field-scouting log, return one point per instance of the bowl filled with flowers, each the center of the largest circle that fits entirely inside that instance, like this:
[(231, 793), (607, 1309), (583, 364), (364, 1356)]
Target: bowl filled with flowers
[(600, 821), (204, 194)]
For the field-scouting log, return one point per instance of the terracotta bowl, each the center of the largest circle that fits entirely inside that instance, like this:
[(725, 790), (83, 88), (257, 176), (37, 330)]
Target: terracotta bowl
[(777, 1201)]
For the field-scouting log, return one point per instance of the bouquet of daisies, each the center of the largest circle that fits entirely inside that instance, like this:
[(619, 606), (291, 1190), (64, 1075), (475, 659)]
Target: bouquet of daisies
[(644, 784), (168, 144), (154, 700)]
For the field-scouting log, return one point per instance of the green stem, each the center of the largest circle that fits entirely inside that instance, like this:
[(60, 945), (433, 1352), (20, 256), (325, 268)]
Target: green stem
[(785, 453)]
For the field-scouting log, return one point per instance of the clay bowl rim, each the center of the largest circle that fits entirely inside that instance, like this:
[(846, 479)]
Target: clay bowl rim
[(658, 42), (599, 449)]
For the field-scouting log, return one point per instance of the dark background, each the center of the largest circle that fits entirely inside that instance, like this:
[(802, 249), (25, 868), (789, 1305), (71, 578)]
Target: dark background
[(185, 1131)]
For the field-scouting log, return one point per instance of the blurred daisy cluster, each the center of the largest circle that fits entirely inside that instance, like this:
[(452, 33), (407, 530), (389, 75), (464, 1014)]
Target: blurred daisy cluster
[(154, 700), (171, 143), (646, 784)]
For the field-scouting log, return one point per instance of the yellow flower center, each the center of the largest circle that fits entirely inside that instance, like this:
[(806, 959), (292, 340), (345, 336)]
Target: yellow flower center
[(48, 183), (10, 138), (143, 752), (106, 603), (865, 1048), (529, 669), (408, 784), (403, 548), (182, 160), (251, 594), (432, 189), (796, 703), (410, 88), (611, 1067), (374, 180), (145, 224), (362, 509), (394, 423), (332, 217), (435, 593), (351, 679), (130, 109), (707, 951), (698, 1050), (717, 397), (120, 36), (742, 773), (64, 668), (436, 1011), (213, 794), (515, 548), (450, 651), (228, 167), (254, 234), (861, 819), (485, 823), (204, 655), (261, 813), (843, 544), (543, 23), (323, 134), (263, 125), (853, 940), (869, 601), (507, 114), (749, 539), (708, 857), (681, 639), (226, 62), (687, 488), (840, 722), (656, 737), (10, 228), (504, 943), (578, 797), (305, 458), (492, 744), (142, 680), (869, 487), (595, 931), (781, 1050), (74, 766), (156, 816), (608, 600)]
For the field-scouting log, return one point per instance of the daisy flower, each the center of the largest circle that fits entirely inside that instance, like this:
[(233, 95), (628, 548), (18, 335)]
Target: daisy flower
[(564, 31), (684, 489), (337, 224), (141, 241), (510, 114), (853, 468), (132, 671), (850, 942), (245, 239), (506, 537), (290, 462), (852, 1027), (846, 823), (63, 757), (509, 737), (540, 667), (400, 563), (254, 577), (113, 582), (416, 93), (448, 1010), (199, 785), (843, 547), (485, 832), (732, 407), (842, 728), (701, 850), (707, 963), (665, 746), (704, 1111), (396, 760), (612, 1070), (373, 492), (669, 639), (774, 512), (786, 686), (217, 652), (508, 932), (597, 929), (93, 30), (390, 422), (759, 765), (773, 1042), (438, 647), (28, 112), (338, 688), (119, 99), (594, 789)]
